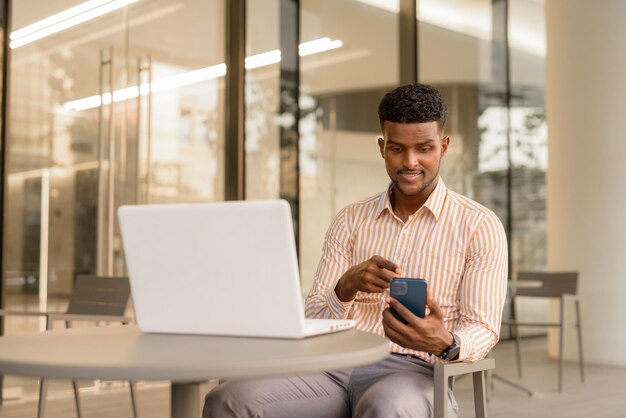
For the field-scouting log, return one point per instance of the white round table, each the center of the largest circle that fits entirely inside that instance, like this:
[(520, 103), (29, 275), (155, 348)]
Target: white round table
[(125, 353)]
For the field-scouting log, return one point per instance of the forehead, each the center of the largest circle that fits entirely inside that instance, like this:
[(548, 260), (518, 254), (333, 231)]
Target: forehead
[(397, 131)]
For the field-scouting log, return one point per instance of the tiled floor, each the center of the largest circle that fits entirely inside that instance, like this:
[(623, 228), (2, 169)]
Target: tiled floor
[(601, 396)]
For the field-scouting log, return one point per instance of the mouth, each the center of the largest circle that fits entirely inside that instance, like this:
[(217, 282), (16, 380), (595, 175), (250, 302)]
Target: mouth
[(410, 175)]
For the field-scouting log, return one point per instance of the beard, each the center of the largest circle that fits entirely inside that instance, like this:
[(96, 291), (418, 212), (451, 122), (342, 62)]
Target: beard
[(400, 187), (410, 189)]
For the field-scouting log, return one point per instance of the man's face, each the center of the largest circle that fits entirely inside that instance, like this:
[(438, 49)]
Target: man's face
[(412, 153)]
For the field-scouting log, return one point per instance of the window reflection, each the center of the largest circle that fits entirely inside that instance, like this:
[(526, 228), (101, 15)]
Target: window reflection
[(340, 90), (88, 134), (528, 134)]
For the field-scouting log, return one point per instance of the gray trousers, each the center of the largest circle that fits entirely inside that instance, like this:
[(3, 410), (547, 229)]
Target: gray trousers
[(398, 386)]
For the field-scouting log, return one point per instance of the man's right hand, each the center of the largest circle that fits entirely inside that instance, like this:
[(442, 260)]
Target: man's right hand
[(371, 276)]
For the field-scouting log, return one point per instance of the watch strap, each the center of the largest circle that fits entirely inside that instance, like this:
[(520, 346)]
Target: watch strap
[(452, 351)]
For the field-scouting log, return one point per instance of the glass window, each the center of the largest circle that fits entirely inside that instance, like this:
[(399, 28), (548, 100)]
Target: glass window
[(354, 60), (456, 55), (262, 96), (125, 107), (529, 150), (53, 161)]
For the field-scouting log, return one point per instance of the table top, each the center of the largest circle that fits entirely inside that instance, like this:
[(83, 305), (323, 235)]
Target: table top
[(125, 353)]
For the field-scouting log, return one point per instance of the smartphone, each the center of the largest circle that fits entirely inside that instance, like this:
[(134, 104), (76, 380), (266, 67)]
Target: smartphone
[(411, 293)]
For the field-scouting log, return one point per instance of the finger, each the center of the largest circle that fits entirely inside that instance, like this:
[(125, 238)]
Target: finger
[(381, 273), (383, 263), (388, 274), (370, 288), (390, 319), (391, 322), (433, 306), (395, 335), (394, 322), (378, 281), (404, 312), (374, 283)]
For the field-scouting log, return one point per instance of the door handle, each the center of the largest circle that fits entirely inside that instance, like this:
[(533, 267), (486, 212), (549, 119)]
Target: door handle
[(106, 166), (144, 179)]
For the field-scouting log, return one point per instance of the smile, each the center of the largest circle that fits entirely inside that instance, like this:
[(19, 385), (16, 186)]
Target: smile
[(410, 175)]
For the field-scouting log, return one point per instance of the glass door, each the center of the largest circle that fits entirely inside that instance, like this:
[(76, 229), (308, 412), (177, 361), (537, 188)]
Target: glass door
[(64, 130), (176, 134), (112, 102)]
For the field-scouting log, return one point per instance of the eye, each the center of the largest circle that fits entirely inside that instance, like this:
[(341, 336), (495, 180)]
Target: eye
[(424, 149), (395, 149)]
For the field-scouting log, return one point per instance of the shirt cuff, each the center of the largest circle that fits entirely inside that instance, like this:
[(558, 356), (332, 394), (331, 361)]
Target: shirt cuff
[(465, 342), (338, 308)]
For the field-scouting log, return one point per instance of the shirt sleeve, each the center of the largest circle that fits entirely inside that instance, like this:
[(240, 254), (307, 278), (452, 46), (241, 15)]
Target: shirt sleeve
[(322, 301), (483, 290)]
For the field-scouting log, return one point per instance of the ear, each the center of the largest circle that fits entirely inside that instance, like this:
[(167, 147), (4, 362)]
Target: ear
[(445, 141), (381, 145)]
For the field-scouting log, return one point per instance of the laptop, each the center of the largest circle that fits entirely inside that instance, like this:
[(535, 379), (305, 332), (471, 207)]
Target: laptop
[(226, 268)]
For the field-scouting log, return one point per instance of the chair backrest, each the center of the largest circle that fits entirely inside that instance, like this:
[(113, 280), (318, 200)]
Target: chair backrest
[(96, 295), (553, 284)]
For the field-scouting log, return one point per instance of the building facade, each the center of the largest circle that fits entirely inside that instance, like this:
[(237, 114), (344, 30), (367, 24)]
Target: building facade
[(112, 102)]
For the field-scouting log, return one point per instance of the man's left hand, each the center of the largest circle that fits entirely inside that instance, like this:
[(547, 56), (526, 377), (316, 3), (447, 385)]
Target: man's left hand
[(421, 334)]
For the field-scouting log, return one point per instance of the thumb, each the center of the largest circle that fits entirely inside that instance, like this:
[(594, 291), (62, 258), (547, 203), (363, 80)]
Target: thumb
[(432, 305)]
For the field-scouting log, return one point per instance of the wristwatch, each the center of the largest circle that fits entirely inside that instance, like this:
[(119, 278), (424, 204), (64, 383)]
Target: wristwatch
[(452, 351)]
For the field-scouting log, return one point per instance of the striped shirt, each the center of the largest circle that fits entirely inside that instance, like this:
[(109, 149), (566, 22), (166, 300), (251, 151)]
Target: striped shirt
[(458, 246)]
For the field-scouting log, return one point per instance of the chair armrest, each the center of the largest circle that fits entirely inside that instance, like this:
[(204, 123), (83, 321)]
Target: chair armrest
[(80, 317), (465, 367), (442, 375), (5, 312)]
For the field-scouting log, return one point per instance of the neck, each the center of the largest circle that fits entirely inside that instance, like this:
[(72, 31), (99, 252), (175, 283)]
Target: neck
[(404, 206)]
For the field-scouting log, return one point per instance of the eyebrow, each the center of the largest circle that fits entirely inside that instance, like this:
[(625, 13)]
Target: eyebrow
[(425, 142)]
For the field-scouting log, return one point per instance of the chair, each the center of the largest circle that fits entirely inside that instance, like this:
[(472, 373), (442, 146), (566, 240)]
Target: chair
[(444, 379), (95, 298), (554, 285)]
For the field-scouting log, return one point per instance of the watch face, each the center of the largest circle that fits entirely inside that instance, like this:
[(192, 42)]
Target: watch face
[(453, 353)]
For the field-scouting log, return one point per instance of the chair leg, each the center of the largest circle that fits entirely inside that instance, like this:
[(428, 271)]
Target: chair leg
[(518, 350), (480, 399), (133, 398), (561, 345), (76, 398), (515, 334), (580, 342), (440, 401), (43, 391)]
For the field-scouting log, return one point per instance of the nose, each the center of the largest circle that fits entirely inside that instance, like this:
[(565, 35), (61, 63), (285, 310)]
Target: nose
[(411, 159)]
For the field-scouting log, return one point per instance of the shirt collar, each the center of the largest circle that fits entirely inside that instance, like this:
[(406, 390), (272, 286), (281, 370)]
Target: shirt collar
[(434, 203), (384, 203)]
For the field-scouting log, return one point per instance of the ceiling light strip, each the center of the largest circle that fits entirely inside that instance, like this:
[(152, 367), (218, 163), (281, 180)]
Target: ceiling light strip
[(71, 22), (197, 76), (56, 18)]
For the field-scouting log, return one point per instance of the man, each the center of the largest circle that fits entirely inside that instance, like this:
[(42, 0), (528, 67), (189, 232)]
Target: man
[(416, 228)]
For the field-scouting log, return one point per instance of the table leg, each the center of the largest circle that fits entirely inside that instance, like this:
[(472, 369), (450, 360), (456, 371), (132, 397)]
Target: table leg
[(188, 398)]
